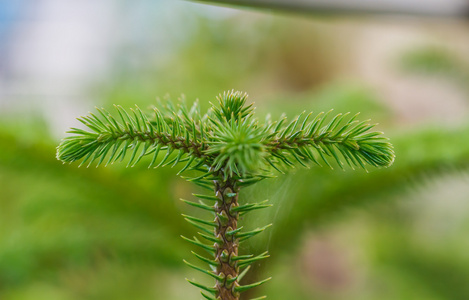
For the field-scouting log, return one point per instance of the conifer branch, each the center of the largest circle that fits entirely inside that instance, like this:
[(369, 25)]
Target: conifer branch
[(132, 135), (314, 142), (230, 149)]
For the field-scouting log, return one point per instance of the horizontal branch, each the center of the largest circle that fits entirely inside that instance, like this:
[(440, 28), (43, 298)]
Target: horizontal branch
[(314, 142), (134, 134)]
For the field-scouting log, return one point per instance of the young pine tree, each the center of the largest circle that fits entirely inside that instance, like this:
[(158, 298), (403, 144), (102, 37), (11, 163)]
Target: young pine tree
[(230, 149)]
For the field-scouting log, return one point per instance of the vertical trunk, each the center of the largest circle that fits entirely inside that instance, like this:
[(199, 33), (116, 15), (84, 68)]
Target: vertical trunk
[(227, 192)]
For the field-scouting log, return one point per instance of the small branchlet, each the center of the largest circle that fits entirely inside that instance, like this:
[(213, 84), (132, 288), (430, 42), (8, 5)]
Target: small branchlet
[(231, 149)]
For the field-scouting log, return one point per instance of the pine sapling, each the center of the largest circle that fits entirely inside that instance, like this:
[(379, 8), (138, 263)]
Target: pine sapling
[(230, 149)]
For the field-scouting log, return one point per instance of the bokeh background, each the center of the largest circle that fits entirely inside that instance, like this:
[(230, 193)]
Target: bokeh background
[(113, 233)]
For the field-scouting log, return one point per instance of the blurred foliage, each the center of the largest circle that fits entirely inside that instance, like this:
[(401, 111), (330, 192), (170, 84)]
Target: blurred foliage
[(59, 221), (255, 53), (69, 233), (436, 61)]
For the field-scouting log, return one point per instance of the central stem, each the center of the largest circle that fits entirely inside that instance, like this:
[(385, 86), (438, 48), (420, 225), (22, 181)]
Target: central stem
[(227, 193)]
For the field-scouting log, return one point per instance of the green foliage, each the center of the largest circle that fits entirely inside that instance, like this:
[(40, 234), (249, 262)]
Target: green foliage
[(232, 149), (69, 224), (227, 138), (430, 60), (439, 61)]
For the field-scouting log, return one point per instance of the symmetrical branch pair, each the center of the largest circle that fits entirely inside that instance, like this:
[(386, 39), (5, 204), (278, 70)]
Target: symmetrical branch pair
[(231, 149)]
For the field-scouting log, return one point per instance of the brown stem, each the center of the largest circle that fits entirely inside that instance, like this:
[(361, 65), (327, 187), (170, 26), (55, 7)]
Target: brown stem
[(227, 192)]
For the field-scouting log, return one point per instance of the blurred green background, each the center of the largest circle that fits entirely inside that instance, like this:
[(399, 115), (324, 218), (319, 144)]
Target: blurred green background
[(113, 233)]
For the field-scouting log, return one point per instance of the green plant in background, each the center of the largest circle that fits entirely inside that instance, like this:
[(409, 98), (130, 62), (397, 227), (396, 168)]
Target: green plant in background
[(229, 149)]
